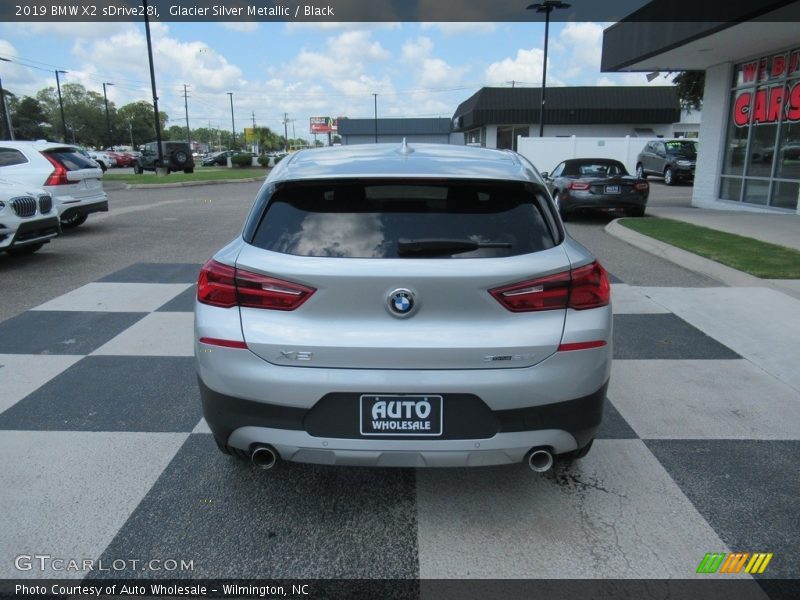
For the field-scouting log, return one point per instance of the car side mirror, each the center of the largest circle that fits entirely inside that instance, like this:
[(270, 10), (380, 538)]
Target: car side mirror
[(545, 175)]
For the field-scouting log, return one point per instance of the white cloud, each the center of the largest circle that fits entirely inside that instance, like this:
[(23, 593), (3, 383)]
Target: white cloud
[(461, 28), (633, 79), (417, 50), (241, 26), (526, 68), (430, 71), (583, 43), (348, 53)]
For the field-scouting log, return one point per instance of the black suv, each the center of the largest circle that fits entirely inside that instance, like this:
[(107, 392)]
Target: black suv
[(674, 160), (177, 157)]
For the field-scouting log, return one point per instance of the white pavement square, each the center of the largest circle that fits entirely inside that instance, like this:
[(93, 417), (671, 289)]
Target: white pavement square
[(617, 512), (21, 374), (157, 334), (67, 494), (704, 399), (116, 297), (760, 324), (626, 299)]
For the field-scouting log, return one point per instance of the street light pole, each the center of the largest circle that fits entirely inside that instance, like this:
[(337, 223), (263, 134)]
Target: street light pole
[(233, 125), (61, 107), (375, 118), (545, 7), (157, 122), (108, 120)]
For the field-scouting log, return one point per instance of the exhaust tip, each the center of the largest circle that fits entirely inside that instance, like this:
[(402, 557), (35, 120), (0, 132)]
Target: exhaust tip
[(540, 460), (264, 457)]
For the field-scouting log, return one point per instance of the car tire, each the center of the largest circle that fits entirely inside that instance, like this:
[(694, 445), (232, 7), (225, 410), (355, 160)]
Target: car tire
[(74, 221), (188, 171), (180, 157), (669, 176), (640, 174), (137, 169), (24, 250), (634, 212)]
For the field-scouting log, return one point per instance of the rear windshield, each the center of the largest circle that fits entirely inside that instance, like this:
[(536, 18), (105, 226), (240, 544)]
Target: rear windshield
[(71, 159), (381, 220), (682, 148)]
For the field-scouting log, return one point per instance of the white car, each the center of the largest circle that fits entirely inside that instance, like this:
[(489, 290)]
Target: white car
[(74, 181), (106, 161), (28, 220)]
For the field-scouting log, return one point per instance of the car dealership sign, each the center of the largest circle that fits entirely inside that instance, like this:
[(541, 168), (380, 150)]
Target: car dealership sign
[(324, 125), (774, 95)]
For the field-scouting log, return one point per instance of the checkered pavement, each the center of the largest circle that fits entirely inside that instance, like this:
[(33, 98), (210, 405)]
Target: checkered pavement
[(105, 455)]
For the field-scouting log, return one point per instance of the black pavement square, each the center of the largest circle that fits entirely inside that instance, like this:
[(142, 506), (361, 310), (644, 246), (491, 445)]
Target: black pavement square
[(747, 490), (664, 336), (113, 393), (62, 332), (155, 273), (614, 426), (183, 302), (293, 521)]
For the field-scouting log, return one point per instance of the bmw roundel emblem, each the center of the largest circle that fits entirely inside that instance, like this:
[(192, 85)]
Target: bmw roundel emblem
[(401, 302)]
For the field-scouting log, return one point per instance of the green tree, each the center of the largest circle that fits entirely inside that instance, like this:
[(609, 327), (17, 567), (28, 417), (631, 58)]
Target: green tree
[(136, 121), (690, 85), (84, 113), (29, 119), (176, 133)]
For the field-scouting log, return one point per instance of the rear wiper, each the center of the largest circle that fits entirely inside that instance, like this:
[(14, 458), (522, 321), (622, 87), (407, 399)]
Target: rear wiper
[(441, 245)]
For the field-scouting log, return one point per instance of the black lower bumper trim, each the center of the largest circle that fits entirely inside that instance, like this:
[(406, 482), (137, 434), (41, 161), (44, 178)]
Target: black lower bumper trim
[(466, 416), (85, 210)]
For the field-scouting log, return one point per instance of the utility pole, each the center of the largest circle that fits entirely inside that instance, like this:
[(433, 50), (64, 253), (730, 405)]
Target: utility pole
[(61, 107), (253, 146), (375, 119), (153, 84), (130, 132), (186, 107), (4, 108), (108, 120), (285, 132), (233, 125)]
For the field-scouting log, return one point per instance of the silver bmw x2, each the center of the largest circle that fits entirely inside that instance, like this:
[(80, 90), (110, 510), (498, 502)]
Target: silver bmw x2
[(403, 305)]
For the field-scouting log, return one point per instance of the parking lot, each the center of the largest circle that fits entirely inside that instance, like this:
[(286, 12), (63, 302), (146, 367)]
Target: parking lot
[(106, 454)]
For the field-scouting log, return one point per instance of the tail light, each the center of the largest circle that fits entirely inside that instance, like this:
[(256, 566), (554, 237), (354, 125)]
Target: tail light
[(642, 185), (579, 185), (579, 289), (59, 174), (225, 286)]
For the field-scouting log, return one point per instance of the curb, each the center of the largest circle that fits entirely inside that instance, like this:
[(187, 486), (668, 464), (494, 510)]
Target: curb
[(693, 262), (155, 186)]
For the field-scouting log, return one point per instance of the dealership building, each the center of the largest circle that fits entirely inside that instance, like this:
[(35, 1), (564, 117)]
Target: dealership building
[(749, 156)]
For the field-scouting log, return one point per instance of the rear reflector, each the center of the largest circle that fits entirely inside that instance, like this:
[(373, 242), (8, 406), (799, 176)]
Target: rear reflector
[(642, 185), (223, 343), (579, 289), (59, 174), (581, 346), (225, 286)]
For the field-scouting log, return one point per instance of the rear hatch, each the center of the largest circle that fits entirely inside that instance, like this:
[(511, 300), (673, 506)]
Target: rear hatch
[(367, 250), (73, 173)]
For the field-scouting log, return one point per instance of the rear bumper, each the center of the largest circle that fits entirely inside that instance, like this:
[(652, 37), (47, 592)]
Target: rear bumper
[(574, 202), (505, 436)]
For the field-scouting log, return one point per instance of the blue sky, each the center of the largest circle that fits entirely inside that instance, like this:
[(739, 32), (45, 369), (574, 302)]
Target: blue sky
[(312, 69)]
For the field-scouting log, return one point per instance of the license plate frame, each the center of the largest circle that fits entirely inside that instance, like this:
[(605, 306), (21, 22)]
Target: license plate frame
[(613, 189), (409, 407)]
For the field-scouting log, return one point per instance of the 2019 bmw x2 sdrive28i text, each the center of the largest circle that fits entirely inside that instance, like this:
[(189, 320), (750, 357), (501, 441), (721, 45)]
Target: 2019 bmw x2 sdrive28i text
[(398, 305)]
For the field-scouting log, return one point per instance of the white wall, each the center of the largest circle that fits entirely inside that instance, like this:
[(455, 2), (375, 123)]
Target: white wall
[(545, 153), (713, 129), (612, 130)]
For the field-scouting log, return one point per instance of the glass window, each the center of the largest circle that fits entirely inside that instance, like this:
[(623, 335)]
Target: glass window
[(755, 191), (11, 156), (785, 194), (736, 146), (71, 159), (788, 164), (331, 219), (762, 150), (731, 189), (505, 140)]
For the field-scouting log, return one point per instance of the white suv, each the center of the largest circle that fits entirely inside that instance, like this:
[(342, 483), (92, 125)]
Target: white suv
[(74, 181), (27, 218)]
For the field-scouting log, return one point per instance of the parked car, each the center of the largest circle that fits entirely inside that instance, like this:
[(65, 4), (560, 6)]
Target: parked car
[(596, 184), (674, 160), (121, 159), (398, 305), (73, 180), (217, 158), (177, 156), (28, 220), (104, 159)]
